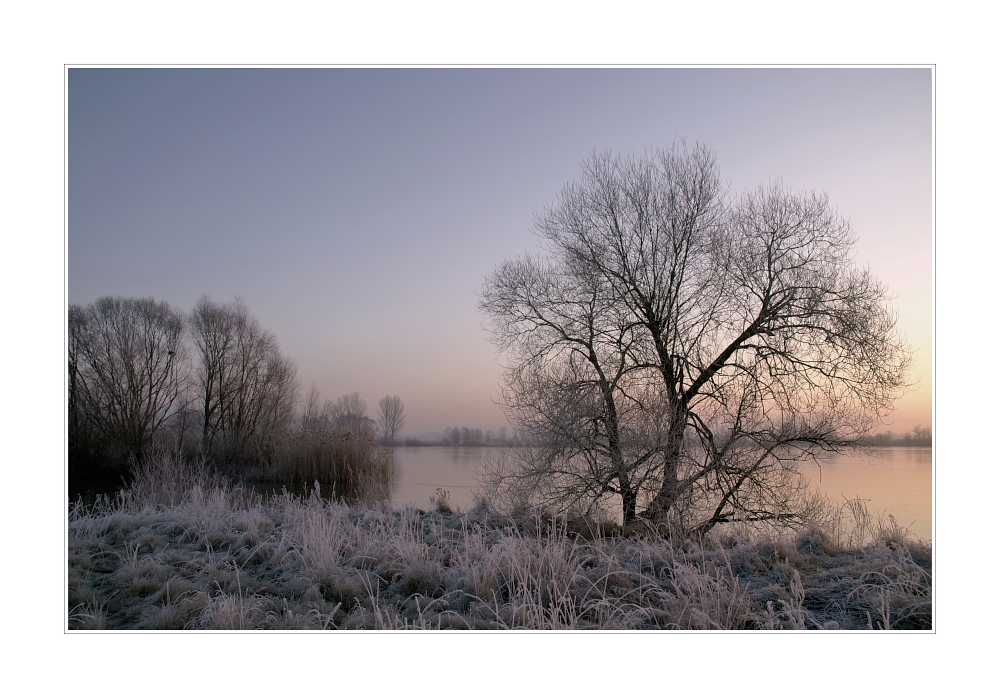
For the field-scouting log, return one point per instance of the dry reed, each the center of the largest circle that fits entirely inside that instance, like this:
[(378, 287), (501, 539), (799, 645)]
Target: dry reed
[(357, 469)]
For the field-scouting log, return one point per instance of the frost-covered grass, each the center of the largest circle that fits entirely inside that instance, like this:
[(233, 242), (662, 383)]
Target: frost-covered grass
[(214, 556)]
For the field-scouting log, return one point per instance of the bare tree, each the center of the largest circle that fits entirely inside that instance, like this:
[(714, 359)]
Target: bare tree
[(213, 329), (84, 441), (350, 413), (390, 417), (247, 389), (311, 415), (683, 351), (127, 368), (77, 325), (472, 437)]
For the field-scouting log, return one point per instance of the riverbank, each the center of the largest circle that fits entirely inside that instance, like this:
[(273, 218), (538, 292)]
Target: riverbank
[(218, 557)]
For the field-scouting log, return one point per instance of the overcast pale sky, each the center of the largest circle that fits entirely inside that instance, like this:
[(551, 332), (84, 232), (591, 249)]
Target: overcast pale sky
[(357, 211)]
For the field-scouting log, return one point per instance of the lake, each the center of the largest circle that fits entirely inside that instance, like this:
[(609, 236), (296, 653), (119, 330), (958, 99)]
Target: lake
[(894, 480), (421, 470)]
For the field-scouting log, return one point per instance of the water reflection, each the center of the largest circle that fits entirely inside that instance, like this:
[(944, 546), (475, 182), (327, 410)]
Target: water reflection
[(895, 481), (421, 470)]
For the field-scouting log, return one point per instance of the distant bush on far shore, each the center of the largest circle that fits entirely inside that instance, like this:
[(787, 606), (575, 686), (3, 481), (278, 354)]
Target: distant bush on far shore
[(464, 436)]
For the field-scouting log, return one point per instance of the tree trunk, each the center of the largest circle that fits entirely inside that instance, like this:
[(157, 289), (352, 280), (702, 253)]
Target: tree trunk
[(629, 500), (669, 490)]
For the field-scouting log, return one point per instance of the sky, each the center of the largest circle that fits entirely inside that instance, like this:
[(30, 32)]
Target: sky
[(357, 211)]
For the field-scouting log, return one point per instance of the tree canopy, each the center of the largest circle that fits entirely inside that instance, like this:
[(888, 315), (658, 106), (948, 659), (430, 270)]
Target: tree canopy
[(126, 369), (682, 349)]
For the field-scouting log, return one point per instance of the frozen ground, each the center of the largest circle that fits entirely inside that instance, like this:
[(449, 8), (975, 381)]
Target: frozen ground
[(216, 557)]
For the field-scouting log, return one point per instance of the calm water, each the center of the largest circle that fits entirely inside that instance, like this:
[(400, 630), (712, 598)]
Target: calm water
[(894, 481), (421, 470)]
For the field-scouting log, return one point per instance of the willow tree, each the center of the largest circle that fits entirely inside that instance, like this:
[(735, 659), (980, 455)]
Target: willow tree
[(682, 349)]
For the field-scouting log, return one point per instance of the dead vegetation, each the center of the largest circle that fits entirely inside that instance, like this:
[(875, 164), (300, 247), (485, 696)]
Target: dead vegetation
[(212, 555), (356, 468)]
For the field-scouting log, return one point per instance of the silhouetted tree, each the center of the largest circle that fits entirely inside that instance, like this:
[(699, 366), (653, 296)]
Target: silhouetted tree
[(390, 417), (472, 437), (246, 388), (311, 411), (82, 446), (682, 350), (350, 413), (503, 436), (127, 368)]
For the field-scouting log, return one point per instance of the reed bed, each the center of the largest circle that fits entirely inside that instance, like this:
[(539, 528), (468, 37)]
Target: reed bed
[(219, 557), (356, 469)]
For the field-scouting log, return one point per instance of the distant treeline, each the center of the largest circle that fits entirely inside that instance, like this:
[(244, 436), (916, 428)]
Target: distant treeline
[(920, 436), (464, 436), (211, 383)]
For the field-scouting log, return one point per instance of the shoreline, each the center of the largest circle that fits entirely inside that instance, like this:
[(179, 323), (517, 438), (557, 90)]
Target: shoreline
[(222, 560)]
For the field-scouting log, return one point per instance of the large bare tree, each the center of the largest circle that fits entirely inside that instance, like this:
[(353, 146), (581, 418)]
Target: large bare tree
[(78, 427), (683, 350), (126, 369)]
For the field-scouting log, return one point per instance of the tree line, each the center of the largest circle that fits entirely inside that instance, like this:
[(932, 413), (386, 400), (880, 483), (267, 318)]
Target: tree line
[(464, 436), (212, 382)]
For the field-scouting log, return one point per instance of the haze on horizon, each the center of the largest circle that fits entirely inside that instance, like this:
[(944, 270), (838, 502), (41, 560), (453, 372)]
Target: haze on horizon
[(358, 211)]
